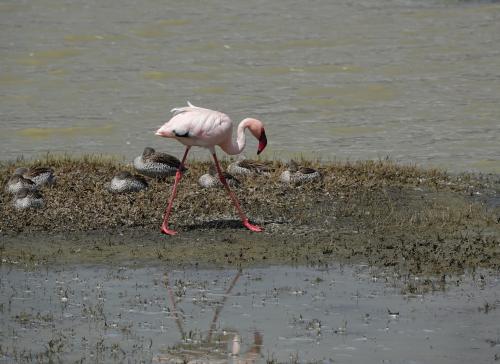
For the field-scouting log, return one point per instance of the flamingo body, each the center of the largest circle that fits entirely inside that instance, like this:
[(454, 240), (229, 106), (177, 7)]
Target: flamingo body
[(197, 126), (194, 126)]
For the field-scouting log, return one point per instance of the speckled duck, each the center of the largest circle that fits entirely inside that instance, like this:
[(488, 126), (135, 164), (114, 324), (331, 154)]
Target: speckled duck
[(125, 181), (41, 176), (299, 174), (248, 167), (17, 182), (211, 180), (156, 164), (25, 199)]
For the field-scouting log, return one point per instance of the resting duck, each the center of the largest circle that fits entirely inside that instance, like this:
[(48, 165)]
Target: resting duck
[(125, 181), (156, 164), (39, 175), (17, 182), (249, 167), (211, 179), (25, 199), (299, 174)]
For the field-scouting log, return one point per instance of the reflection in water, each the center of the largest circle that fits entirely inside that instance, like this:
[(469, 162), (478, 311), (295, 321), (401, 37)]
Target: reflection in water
[(349, 314), (212, 348)]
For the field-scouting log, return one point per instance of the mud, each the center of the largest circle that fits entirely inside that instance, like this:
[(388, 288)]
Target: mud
[(404, 217), (377, 262)]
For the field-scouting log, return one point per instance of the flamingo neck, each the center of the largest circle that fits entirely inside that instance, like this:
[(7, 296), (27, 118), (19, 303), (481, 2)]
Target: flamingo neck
[(233, 147)]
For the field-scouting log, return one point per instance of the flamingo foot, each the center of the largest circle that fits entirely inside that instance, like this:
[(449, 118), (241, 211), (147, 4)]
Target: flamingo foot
[(165, 230), (251, 227)]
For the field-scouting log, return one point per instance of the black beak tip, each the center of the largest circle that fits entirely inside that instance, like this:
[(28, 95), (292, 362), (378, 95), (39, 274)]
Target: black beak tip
[(262, 142)]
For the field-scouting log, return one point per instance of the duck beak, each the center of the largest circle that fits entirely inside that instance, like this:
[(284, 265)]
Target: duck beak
[(262, 141)]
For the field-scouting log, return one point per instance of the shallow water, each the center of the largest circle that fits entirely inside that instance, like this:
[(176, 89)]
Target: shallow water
[(414, 80), (348, 314)]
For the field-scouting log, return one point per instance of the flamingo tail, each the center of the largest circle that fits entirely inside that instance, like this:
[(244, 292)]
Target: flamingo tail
[(179, 110)]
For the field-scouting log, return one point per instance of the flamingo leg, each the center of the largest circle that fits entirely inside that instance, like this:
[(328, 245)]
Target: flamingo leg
[(178, 176), (244, 218)]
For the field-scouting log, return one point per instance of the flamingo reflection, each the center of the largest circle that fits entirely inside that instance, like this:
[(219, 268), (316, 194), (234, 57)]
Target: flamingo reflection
[(212, 349)]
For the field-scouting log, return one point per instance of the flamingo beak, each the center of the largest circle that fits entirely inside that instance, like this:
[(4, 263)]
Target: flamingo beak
[(262, 141)]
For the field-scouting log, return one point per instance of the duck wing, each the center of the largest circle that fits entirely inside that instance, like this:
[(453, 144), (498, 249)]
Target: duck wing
[(165, 158), (36, 171), (254, 166), (307, 170), (230, 177)]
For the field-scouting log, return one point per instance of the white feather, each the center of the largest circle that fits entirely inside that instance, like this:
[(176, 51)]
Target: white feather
[(179, 110)]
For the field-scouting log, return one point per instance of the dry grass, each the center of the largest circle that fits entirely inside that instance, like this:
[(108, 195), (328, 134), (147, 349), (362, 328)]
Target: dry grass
[(381, 212), (80, 201)]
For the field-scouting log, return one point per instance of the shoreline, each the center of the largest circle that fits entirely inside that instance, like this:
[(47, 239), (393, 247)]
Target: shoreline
[(412, 219)]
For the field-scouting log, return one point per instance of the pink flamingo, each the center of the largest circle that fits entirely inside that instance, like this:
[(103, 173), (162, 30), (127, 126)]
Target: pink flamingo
[(196, 126)]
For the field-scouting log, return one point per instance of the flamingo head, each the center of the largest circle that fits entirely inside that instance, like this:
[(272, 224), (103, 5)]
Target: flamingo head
[(257, 129)]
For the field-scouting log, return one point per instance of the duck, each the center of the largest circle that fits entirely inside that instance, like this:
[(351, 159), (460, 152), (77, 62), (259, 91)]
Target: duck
[(249, 167), (156, 164), (299, 174), (17, 182), (41, 176), (211, 179), (25, 199), (125, 181)]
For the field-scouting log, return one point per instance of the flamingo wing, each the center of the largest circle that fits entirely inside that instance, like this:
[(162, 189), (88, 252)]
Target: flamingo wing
[(207, 127)]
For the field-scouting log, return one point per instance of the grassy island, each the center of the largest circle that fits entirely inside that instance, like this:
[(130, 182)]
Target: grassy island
[(414, 219)]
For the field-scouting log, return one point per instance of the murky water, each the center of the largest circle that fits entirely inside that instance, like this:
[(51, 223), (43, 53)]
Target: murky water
[(341, 314), (414, 80)]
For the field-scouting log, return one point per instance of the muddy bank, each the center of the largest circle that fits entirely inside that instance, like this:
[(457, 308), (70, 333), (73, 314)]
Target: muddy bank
[(378, 212)]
